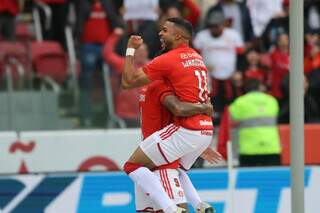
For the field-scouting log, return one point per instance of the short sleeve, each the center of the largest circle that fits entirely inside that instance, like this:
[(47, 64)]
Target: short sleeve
[(164, 95), (157, 68), (163, 91)]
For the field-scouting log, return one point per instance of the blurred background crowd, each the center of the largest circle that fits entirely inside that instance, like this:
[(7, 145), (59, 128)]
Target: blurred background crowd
[(70, 53)]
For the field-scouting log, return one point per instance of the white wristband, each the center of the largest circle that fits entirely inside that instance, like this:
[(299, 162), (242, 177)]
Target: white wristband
[(130, 51)]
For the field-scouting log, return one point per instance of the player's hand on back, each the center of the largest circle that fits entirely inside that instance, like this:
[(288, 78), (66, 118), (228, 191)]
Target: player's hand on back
[(135, 42), (211, 155), (208, 108)]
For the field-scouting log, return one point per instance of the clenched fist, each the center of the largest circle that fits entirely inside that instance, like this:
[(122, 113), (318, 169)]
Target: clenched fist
[(135, 42)]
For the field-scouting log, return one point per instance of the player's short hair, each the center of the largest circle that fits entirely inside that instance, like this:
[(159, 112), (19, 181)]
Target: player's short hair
[(183, 24)]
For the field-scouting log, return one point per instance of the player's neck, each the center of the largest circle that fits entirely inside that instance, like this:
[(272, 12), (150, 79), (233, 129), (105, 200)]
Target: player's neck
[(179, 43)]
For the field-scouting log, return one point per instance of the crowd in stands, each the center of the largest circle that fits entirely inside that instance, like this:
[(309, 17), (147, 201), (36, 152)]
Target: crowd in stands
[(238, 39)]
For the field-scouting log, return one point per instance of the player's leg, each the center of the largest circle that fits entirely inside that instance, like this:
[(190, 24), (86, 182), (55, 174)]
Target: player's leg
[(169, 179), (150, 185), (164, 146), (170, 182), (138, 169), (190, 192), (192, 195)]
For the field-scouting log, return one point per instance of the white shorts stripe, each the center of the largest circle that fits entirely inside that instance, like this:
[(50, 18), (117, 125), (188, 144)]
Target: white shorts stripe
[(174, 142), (173, 130), (167, 130), (167, 179), (164, 183)]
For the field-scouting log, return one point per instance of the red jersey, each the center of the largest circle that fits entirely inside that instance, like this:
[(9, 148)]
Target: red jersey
[(279, 69), (154, 116), (10, 6), (96, 28), (185, 71)]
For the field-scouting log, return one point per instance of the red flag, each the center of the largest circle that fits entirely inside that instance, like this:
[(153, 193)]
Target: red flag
[(224, 133)]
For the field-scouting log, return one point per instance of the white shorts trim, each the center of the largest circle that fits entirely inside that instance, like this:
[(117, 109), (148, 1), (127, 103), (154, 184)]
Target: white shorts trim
[(174, 142)]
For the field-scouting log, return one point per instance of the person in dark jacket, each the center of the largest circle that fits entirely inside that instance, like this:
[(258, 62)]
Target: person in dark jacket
[(8, 11), (311, 109), (277, 26), (96, 19), (237, 16), (59, 12)]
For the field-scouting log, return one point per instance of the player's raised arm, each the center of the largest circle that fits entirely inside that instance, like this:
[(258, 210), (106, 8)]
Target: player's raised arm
[(131, 76), (186, 109)]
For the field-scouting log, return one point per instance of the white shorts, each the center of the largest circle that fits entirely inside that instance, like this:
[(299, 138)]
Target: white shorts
[(173, 142), (171, 184)]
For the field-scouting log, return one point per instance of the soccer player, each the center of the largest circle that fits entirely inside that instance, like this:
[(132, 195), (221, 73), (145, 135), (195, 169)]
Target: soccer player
[(183, 68), (154, 116)]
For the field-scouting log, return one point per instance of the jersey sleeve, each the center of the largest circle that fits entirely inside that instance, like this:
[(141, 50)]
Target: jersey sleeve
[(157, 68), (163, 91), (164, 95)]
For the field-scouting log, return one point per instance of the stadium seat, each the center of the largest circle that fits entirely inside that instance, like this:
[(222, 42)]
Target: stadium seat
[(14, 55), (23, 32), (49, 60)]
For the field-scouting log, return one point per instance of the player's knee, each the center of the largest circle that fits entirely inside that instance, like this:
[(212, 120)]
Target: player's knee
[(129, 167)]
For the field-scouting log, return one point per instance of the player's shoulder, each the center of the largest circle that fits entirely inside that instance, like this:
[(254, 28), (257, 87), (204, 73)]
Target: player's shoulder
[(158, 85), (162, 58)]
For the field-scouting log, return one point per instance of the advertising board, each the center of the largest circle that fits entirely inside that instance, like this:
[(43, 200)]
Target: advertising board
[(67, 151), (259, 190)]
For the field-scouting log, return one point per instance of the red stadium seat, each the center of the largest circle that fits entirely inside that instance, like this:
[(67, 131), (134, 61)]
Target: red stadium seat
[(11, 54), (23, 32), (49, 59), (127, 104)]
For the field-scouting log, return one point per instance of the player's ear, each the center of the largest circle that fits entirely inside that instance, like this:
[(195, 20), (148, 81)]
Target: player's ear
[(178, 35)]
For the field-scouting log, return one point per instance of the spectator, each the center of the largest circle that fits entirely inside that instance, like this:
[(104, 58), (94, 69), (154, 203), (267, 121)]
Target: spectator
[(312, 16), (311, 109), (312, 65), (312, 53), (8, 11), (115, 60), (141, 17), (95, 21), (56, 30), (186, 9), (314, 85), (219, 47), (261, 12), (255, 115), (189, 7), (129, 112), (254, 68), (237, 17), (279, 64), (278, 25)]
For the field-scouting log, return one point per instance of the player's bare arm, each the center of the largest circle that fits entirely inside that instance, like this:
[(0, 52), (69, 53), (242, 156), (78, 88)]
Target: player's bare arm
[(131, 76), (186, 109)]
